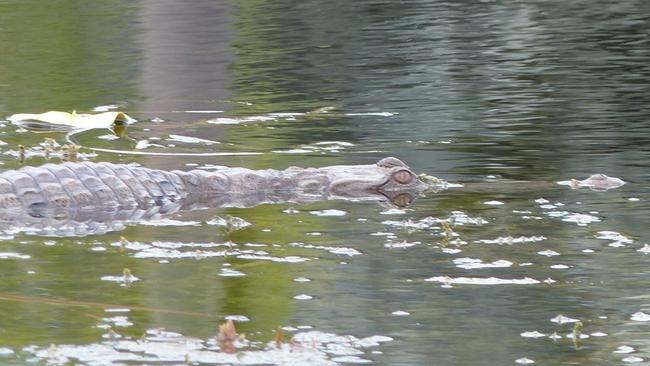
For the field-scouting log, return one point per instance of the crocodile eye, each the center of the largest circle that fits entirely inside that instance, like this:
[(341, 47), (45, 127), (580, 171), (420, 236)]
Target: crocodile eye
[(403, 177)]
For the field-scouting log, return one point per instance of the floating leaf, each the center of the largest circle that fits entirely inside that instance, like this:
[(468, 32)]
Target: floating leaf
[(56, 119)]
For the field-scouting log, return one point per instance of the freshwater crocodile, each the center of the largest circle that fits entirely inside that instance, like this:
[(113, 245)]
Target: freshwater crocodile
[(74, 199)]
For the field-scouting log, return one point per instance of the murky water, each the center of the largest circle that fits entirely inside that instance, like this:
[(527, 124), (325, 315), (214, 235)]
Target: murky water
[(506, 97)]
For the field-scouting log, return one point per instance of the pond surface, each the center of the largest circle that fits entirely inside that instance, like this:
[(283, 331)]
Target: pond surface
[(506, 98)]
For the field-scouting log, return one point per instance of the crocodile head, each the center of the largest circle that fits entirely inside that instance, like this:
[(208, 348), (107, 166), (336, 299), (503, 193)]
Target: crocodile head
[(389, 178)]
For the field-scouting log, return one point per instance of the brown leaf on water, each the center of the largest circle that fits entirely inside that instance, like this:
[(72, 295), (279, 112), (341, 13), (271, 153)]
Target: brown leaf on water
[(278, 337), (227, 336)]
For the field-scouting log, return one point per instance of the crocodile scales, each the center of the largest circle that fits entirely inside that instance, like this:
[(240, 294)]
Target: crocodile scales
[(75, 199)]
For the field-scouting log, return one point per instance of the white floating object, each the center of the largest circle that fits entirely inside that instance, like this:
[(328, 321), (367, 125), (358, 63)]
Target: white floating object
[(640, 317), (482, 281), (561, 319), (237, 318), (328, 213), (493, 203), (548, 253), (624, 349), (645, 249), (472, 263), (303, 297), (400, 313), (191, 140), (533, 334), (632, 359), (559, 266), (226, 272), (524, 361)]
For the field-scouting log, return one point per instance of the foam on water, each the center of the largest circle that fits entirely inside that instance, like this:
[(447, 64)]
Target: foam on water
[(533, 334), (191, 140), (561, 319), (548, 253), (509, 240), (328, 213), (160, 346), (640, 317), (322, 147), (229, 222), (401, 244), (350, 252), (482, 281), (472, 263), (10, 255), (225, 272)]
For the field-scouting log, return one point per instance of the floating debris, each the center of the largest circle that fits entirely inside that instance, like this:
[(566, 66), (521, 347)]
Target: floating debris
[(493, 203), (328, 213), (400, 313), (457, 218), (576, 334), (10, 255), (624, 349), (561, 319), (596, 182), (401, 245), (533, 334), (574, 217), (524, 361), (303, 297), (640, 317), (632, 359), (225, 272), (645, 249), (482, 281), (191, 140), (472, 263), (288, 259), (230, 223), (227, 337), (393, 211), (548, 253), (105, 108), (618, 239), (125, 279), (70, 120), (350, 252), (237, 318), (509, 240), (451, 250), (559, 266), (116, 321)]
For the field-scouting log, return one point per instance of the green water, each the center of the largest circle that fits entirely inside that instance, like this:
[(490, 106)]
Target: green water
[(505, 97)]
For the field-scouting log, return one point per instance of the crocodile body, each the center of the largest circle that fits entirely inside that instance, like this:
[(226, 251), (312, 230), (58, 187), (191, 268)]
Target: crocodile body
[(73, 199)]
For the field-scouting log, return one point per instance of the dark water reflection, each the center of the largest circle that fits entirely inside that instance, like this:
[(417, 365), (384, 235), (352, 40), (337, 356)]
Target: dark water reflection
[(508, 97)]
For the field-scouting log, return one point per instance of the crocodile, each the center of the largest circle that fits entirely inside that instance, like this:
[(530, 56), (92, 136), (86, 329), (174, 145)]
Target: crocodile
[(83, 198)]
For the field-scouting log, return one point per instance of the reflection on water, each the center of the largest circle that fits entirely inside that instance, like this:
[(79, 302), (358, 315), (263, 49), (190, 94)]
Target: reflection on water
[(506, 97)]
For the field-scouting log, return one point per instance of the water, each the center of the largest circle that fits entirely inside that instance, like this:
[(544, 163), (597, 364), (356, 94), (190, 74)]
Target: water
[(507, 98)]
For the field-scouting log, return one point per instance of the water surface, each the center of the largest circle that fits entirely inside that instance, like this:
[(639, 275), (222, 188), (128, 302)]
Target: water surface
[(506, 98)]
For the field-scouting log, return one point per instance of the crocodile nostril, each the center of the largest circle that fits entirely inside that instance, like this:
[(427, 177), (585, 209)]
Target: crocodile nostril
[(402, 200), (403, 177)]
